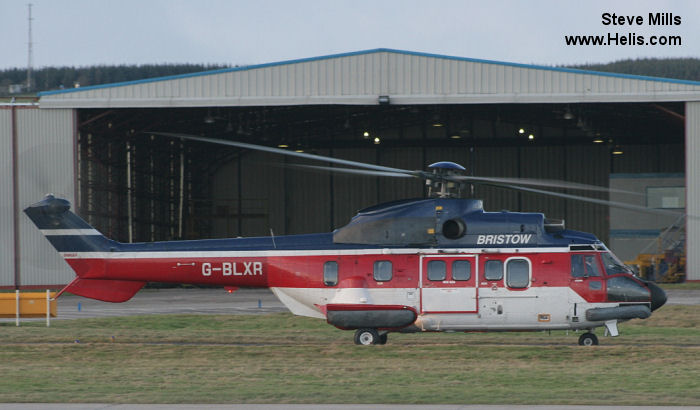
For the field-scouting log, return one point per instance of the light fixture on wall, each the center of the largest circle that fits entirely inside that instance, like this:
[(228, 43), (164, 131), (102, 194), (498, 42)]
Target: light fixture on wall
[(209, 119), (567, 114), (435, 120)]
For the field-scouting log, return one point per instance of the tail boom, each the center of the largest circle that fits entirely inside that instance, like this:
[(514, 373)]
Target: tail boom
[(113, 272)]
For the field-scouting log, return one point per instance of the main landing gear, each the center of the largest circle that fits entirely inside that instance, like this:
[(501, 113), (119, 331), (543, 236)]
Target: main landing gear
[(588, 339), (368, 337)]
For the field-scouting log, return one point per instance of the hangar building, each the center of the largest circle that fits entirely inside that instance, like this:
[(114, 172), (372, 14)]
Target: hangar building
[(96, 146)]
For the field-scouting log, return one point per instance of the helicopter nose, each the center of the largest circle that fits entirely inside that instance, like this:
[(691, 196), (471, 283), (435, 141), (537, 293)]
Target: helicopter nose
[(658, 296)]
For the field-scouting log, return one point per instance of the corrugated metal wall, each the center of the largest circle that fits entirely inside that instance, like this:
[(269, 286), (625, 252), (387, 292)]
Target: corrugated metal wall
[(7, 275), (692, 180), (45, 165), (358, 78)]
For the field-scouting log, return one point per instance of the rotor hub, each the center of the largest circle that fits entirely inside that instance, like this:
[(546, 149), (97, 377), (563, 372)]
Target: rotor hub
[(440, 181)]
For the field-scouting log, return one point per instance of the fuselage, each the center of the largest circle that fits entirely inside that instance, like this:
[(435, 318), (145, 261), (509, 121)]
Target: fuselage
[(488, 288), (438, 265)]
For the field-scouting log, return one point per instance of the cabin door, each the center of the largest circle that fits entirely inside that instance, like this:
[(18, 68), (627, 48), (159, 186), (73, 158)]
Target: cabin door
[(448, 284)]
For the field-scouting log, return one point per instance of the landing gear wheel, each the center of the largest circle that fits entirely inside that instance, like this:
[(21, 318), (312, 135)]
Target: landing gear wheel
[(366, 337), (588, 339), (382, 339)]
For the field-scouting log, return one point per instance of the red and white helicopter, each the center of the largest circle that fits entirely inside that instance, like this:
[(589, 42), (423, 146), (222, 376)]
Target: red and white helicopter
[(418, 265)]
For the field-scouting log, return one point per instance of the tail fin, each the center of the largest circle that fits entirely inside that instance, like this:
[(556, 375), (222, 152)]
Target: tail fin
[(66, 231), (81, 246)]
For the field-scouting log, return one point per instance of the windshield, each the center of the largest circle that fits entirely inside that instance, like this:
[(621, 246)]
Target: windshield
[(613, 265)]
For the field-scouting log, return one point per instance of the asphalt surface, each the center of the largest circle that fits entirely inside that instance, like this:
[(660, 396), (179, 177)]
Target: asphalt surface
[(683, 297), (174, 301)]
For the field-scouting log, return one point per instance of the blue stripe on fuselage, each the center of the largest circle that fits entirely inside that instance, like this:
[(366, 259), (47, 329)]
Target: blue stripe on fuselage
[(321, 241)]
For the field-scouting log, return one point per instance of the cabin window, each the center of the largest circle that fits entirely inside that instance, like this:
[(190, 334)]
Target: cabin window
[(518, 273), (330, 273), (493, 270), (437, 270), (584, 266), (382, 271), (461, 270)]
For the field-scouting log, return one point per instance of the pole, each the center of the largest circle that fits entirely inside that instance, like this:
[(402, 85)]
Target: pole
[(17, 307), (181, 200), (29, 50), (48, 308), (15, 195), (129, 212)]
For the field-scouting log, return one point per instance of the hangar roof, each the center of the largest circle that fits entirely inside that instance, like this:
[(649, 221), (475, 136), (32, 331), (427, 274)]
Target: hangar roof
[(360, 78)]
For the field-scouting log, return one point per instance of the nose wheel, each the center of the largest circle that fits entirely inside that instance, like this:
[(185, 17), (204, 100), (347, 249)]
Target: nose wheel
[(588, 339)]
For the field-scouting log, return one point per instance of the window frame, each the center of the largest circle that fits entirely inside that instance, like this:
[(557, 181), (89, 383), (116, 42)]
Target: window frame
[(374, 270), (444, 270), (327, 282), (486, 263), (452, 269), (507, 274)]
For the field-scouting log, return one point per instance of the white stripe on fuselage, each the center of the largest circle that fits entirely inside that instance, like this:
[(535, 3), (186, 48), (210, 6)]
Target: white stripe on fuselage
[(317, 252)]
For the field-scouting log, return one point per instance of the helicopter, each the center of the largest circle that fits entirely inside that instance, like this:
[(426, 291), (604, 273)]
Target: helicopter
[(435, 264)]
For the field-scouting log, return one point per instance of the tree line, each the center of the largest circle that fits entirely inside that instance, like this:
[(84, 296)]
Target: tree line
[(54, 78), (678, 68)]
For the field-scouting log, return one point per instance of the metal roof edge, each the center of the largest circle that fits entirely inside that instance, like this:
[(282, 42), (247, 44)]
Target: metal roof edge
[(372, 51)]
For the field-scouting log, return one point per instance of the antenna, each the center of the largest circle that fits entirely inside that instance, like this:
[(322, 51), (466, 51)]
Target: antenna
[(272, 235), (29, 56)]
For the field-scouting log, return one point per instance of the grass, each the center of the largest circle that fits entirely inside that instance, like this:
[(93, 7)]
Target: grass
[(281, 358)]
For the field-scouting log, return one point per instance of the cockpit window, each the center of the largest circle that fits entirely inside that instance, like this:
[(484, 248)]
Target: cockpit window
[(613, 265), (584, 266), (625, 289)]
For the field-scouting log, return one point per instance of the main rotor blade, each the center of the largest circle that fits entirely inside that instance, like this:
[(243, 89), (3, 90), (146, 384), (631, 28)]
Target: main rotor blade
[(551, 183), (284, 152), (616, 204), (366, 172)]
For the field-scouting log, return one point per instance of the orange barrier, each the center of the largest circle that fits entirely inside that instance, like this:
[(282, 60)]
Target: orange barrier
[(31, 304)]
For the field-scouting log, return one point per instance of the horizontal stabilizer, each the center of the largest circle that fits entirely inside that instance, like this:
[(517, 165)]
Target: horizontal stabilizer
[(106, 290)]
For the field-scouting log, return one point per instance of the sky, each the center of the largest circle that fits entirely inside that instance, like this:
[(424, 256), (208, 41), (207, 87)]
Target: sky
[(236, 32)]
